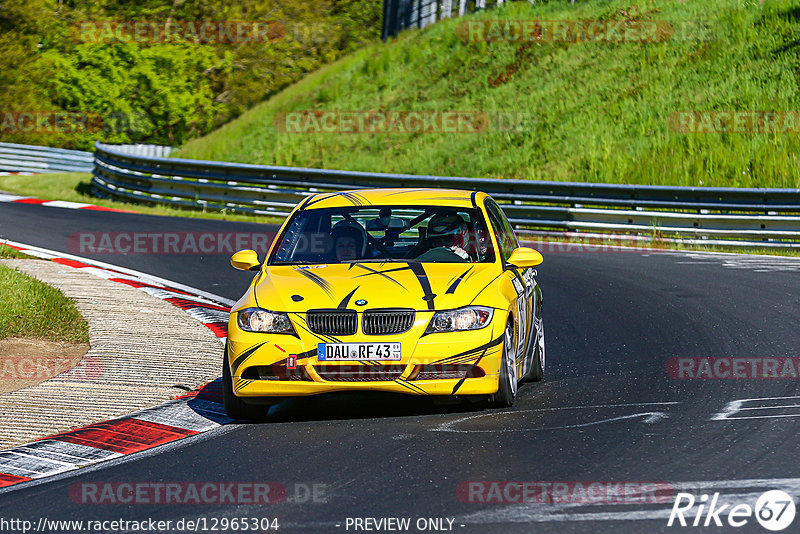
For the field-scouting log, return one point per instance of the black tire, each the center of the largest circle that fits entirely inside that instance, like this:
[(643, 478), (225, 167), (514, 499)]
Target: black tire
[(506, 392), (235, 407), (536, 371)]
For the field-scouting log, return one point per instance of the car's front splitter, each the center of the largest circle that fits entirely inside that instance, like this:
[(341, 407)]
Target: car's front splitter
[(274, 388)]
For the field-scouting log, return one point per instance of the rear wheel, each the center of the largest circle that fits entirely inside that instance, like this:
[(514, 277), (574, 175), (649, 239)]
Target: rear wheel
[(507, 378), (235, 407)]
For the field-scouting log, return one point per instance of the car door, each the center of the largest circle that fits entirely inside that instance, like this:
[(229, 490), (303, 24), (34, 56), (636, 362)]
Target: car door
[(524, 284)]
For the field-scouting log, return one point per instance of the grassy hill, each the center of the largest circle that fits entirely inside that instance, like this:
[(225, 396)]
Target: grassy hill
[(596, 111)]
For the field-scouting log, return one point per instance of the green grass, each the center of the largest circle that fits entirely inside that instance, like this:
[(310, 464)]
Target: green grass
[(598, 112), (76, 187), (30, 308), (8, 252)]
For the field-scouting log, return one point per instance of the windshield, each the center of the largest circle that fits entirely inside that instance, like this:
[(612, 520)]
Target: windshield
[(384, 234)]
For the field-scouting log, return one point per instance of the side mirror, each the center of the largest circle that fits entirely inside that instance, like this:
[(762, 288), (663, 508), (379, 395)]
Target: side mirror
[(524, 257), (245, 260)]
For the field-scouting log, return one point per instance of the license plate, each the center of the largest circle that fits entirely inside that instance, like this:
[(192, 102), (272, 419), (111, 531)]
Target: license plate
[(358, 351)]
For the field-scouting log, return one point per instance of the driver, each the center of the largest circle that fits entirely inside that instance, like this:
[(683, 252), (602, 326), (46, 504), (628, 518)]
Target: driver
[(348, 242), (447, 239)]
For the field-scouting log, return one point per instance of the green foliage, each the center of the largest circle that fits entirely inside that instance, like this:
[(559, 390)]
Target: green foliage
[(161, 92), (31, 308), (151, 92), (7, 252), (594, 111)]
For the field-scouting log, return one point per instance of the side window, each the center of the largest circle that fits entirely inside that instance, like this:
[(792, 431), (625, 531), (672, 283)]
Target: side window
[(502, 229)]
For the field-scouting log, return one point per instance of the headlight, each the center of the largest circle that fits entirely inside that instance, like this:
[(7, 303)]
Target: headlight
[(469, 318), (258, 320)]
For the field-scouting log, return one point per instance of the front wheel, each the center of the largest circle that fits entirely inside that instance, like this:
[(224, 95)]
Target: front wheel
[(507, 379), (536, 371), (235, 407)]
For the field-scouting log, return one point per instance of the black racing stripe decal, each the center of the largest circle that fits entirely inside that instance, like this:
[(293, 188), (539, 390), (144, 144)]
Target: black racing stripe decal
[(409, 385), (309, 202), (422, 278), (458, 385), (472, 351), (461, 381), (380, 273), (461, 360), (354, 198), (392, 270), (242, 383), (305, 202), (321, 282), (428, 189), (469, 275), (489, 345), (454, 360), (454, 285), (343, 304), (301, 323), (408, 191), (244, 355)]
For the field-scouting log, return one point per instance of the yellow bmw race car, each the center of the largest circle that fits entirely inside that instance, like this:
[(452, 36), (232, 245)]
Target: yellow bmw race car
[(424, 292)]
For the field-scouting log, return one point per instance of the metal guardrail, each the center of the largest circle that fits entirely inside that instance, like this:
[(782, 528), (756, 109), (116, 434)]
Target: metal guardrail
[(39, 159), (153, 151), (769, 217)]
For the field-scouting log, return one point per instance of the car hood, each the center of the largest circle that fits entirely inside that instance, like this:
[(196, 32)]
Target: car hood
[(421, 286)]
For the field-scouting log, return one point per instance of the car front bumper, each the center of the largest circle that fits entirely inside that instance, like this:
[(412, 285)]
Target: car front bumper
[(456, 363)]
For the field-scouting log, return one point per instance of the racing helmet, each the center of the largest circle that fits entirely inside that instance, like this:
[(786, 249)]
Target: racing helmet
[(448, 229), (354, 230)]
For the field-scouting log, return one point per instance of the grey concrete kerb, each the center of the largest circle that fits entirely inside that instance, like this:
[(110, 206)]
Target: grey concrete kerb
[(141, 348)]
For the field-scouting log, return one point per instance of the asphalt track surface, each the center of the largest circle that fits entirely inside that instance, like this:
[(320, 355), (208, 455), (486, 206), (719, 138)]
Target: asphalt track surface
[(606, 411)]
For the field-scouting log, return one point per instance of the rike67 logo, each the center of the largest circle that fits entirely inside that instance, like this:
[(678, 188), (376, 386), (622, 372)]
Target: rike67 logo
[(773, 510)]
